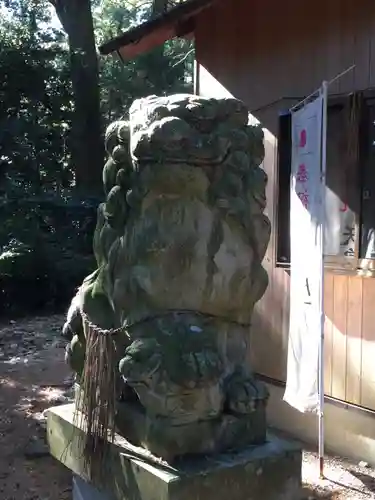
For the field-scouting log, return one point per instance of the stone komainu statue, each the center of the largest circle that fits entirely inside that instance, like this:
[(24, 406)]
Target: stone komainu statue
[(159, 332)]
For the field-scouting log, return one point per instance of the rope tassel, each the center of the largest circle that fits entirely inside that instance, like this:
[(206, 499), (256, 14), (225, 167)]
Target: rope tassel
[(96, 403)]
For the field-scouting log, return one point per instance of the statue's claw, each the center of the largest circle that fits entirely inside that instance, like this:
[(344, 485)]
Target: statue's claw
[(244, 393)]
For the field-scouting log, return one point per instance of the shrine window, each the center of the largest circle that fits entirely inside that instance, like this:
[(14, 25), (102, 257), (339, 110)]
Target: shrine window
[(349, 239)]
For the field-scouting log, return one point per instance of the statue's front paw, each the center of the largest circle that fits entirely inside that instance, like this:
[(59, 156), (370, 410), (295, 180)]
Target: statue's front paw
[(75, 355), (244, 394), (141, 361)]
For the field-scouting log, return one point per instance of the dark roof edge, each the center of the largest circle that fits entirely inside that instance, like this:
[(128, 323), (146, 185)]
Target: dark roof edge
[(173, 16)]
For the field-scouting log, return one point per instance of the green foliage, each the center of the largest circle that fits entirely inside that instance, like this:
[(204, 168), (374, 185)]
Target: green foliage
[(45, 230), (35, 103), (160, 71), (45, 250)]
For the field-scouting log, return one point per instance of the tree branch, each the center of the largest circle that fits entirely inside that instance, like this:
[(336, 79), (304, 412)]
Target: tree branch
[(184, 58)]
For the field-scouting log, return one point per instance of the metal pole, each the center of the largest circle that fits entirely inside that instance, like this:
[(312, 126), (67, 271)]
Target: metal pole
[(324, 93)]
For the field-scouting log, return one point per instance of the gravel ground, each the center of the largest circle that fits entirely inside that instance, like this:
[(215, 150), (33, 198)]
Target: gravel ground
[(345, 479), (33, 376)]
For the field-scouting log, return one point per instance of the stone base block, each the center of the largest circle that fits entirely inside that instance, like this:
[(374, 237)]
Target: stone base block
[(85, 491), (271, 471), (169, 441)]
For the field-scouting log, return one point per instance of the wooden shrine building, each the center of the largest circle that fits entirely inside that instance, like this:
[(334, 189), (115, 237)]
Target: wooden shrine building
[(271, 55)]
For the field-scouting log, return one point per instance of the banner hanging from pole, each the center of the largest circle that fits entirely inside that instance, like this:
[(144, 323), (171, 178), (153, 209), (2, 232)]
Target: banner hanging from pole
[(306, 242)]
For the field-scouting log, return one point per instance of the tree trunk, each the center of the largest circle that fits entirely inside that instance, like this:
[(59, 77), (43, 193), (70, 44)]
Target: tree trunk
[(87, 146)]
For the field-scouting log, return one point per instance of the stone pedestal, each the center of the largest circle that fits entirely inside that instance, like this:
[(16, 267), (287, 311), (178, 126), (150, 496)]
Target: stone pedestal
[(268, 472), (85, 491)]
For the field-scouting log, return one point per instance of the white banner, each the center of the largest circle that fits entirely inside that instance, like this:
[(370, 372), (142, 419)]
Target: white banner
[(306, 258)]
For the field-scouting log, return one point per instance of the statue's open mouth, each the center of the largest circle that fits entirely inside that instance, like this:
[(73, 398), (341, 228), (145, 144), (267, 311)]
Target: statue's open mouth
[(176, 141), (191, 157)]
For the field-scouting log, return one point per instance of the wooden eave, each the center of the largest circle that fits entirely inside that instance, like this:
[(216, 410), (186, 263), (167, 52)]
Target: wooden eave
[(177, 22)]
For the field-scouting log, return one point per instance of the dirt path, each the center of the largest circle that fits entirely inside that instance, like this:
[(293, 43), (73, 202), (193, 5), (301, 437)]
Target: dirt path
[(33, 376)]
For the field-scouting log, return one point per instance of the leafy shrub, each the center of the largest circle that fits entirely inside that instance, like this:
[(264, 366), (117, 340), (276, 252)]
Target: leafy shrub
[(45, 251)]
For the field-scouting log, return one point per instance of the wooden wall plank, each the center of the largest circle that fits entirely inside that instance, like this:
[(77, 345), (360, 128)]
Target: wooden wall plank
[(354, 341), (371, 34), (328, 337), (340, 303), (266, 343), (368, 345), (285, 320), (277, 276), (346, 38), (330, 64), (362, 42)]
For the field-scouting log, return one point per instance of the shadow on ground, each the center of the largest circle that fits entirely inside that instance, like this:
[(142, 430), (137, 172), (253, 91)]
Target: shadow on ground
[(367, 480), (27, 388), (312, 494)]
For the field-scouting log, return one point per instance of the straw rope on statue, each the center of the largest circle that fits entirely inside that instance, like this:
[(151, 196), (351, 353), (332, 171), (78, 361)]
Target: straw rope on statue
[(95, 403)]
